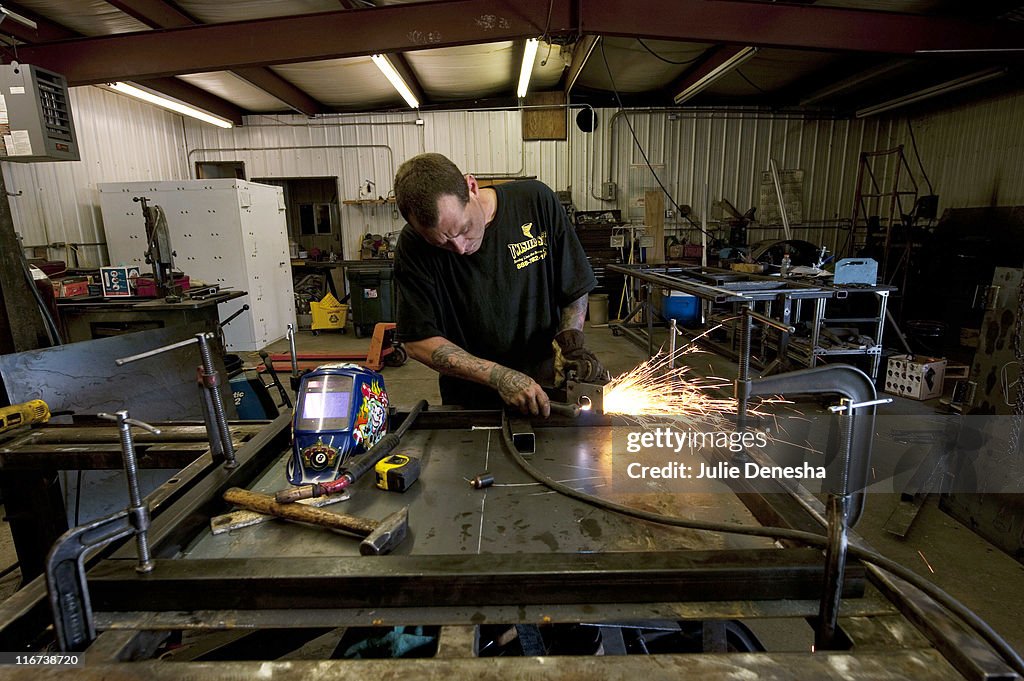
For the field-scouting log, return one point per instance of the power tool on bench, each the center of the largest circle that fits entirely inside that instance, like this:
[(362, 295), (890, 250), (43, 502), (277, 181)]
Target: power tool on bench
[(340, 410), (25, 413)]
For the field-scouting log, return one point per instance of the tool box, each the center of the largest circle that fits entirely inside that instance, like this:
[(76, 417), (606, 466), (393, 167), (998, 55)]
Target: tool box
[(915, 376)]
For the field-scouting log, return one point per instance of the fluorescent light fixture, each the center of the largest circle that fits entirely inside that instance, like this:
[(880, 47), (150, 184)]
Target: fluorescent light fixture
[(855, 81), (714, 74), (388, 69), (580, 60), (170, 104), (20, 18), (934, 91), (526, 70)]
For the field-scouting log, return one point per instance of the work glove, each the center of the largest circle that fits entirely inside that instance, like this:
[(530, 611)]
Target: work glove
[(571, 356)]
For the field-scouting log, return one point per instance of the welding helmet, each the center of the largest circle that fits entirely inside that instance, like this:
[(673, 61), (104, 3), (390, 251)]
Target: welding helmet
[(340, 410)]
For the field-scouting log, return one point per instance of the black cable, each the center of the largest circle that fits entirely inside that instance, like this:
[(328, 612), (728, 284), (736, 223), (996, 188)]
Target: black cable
[(935, 592), (49, 322), (639, 146), (667, 61), (547, 24), (749, 82), (544, 61), (913, 142)]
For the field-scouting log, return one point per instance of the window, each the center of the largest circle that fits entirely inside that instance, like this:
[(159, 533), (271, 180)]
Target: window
[(316, 218), (208, 170)]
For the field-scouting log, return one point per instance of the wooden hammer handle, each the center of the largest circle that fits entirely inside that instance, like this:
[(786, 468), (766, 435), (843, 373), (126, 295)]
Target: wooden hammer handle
[(263, 503)]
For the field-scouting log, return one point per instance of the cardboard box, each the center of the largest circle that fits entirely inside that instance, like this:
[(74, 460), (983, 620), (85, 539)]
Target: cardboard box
[(71, 287), (915, 376)]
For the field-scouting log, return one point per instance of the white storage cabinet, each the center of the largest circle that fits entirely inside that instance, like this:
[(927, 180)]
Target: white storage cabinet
[(224, 231)]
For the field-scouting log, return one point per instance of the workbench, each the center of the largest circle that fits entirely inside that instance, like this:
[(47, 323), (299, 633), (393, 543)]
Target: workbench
[(89, 317), (516, 553), (791, 301)]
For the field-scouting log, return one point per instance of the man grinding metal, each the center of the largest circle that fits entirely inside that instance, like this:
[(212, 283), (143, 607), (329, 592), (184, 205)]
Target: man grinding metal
[(493, 287)]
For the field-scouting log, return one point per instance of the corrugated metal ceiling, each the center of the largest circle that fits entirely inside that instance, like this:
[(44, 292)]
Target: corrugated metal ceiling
[(490, 70)]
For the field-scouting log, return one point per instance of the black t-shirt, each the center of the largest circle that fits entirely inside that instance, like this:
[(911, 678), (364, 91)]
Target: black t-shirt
[(502, 303)]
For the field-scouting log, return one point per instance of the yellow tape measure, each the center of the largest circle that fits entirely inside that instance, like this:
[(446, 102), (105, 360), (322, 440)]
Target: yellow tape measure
[(397, 472)]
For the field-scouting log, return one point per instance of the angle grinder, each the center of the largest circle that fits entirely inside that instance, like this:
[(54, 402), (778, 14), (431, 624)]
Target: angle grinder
[(23, 414)]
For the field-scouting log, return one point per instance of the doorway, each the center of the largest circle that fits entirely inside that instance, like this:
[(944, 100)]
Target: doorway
[(311, 207)]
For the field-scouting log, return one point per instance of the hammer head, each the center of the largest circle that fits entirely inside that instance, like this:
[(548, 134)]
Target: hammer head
[(389, 533)]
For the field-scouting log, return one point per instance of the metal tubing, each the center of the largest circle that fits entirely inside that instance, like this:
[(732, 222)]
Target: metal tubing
[(138, 513), (211, 384), (782, 203), (768, 321), (835, 571), (291, 348), (673, 331), (743, 373), (154, 352), (843, 380), (838, 537), (649, 309)]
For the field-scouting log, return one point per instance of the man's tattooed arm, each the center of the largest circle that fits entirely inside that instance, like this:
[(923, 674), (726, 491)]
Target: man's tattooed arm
[(515, 387), (573, 314), (508, 382)]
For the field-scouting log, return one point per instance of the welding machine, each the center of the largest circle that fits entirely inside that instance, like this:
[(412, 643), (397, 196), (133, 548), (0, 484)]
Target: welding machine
[(341, 410)]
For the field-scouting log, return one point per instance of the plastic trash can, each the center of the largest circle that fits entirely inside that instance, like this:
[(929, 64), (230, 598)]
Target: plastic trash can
[(371, 297)]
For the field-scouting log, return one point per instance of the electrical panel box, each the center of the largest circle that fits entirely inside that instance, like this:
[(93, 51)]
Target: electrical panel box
[(35, 115), (223, 231), (608, 191)]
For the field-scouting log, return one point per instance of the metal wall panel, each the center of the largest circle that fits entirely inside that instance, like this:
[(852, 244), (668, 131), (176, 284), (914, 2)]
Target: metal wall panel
[(120, 139), (972, 154)]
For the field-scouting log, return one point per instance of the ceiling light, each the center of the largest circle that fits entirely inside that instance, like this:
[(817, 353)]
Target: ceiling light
[(529, 56), (854, 81), (714, 74), (20, 18), (933, 91), (388, 69), (170, 104)]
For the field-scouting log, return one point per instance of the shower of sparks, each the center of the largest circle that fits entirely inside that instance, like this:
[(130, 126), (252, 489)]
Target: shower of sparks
[(656, 388)]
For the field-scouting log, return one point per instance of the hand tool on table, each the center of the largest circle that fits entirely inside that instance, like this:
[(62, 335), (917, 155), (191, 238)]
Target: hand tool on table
[(285, 400), (73, 620), (23, 414), (356, 466), (565, 409), (379, 537), (397, 472), (236, 520), (208, 380)]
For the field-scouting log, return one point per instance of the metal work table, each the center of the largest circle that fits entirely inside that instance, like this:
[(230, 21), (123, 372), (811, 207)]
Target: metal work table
[(515, 553), (779, 298), (83, 317)]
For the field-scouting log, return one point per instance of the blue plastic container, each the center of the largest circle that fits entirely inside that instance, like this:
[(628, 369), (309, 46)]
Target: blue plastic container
[(682, 307)]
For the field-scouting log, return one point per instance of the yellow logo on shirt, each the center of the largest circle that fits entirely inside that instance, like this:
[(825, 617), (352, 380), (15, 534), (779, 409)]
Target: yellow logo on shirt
[(533, 249)]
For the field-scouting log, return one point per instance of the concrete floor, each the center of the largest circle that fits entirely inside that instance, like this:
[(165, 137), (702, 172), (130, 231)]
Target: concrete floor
[(938, 547)]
